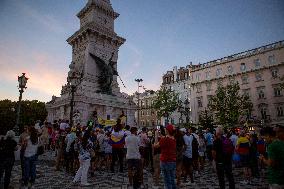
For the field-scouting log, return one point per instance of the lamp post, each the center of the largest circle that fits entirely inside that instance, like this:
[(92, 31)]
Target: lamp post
[(22, 85), (74, 81), (138, 94)]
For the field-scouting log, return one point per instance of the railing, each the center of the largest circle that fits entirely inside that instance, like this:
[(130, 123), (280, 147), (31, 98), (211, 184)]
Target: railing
[(240, 55)]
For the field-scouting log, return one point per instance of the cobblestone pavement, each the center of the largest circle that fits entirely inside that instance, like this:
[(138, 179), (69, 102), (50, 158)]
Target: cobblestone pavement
[(47, 178)]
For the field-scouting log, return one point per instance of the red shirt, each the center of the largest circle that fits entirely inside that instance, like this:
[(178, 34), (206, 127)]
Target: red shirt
[(168, 149)]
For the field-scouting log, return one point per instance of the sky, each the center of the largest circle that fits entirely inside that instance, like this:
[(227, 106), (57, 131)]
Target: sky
[(160, 34)]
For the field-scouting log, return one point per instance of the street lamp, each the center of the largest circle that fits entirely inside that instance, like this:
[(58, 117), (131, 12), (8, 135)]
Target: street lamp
[(138, 82), (74, 81), (22, 85)]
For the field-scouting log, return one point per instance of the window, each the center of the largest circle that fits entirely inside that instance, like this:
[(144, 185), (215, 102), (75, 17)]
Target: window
[(277, 91), (243, 67), (178, 77), (263, 112), (257, 63), (230, 69), (209, 98), (198, 88), (207, 75), (218, 72), (170, 88), (246, 92), (197, 77), (260, 92), (199, 101), (186, 75), (258, 76), (244, 79), (274, 72), (208, 86), (271, 59), (280, 112)]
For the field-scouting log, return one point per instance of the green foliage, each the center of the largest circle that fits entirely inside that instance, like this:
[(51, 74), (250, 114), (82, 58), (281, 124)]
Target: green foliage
[(206, 120), (166, 102), (31, 111), (228, 105)]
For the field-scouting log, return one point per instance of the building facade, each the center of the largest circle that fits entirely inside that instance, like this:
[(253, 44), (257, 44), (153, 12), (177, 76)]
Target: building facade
[(258, 72), (148, 115), (178, 80)]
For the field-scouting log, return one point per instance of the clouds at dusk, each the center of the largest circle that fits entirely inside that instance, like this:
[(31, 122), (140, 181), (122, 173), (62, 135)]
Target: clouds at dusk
[(39, 67), (159, 35)]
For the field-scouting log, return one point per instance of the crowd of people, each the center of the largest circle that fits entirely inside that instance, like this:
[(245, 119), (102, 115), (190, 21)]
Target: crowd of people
[(179, 154)]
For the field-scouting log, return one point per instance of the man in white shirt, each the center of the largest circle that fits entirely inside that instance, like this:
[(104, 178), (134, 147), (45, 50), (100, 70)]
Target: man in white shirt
[(187, 155), (69, 150), (132, 144)]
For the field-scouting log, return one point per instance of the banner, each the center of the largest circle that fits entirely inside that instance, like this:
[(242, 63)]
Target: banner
[(107, 122)]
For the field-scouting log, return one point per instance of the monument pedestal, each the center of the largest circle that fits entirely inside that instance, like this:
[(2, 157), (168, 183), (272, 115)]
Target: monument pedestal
[(106, 106)]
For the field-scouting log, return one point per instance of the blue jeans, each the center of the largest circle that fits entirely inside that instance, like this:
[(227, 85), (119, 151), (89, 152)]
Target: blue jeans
[(30, 169), (169, 173)]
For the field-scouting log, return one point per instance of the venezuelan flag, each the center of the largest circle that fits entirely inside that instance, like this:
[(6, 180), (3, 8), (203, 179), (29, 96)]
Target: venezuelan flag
[(117, 140)]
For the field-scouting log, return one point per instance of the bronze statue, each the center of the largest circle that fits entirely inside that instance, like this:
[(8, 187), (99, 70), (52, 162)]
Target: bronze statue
[(107, 72)]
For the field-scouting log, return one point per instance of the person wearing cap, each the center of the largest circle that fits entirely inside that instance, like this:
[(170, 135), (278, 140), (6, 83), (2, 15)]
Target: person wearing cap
[(7, 158), (168, 157)]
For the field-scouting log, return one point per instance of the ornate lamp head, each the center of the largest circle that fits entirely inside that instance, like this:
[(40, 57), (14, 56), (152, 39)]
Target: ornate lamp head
[(22, 81)]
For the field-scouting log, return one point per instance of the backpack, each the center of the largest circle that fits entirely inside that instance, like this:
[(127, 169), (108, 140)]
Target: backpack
[(227, 145), (194, 147)]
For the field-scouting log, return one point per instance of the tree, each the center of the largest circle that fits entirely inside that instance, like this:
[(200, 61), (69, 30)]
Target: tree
[(206, 119), (31, 111), (228, 105), (165, 103)]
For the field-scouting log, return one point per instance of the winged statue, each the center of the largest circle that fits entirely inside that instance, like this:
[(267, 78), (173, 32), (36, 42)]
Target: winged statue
[(107, 71)]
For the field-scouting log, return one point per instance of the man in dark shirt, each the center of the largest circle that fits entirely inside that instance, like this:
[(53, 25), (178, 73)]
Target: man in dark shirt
[(223, 160), (7, 157)]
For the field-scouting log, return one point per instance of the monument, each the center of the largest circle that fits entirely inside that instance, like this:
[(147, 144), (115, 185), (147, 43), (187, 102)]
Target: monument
[(95, 49)]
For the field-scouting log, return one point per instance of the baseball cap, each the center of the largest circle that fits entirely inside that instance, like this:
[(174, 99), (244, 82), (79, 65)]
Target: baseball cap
[(170, 128), (183, 130)]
